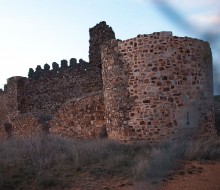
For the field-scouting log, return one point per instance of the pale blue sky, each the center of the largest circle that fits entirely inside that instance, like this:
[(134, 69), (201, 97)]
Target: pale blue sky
[(35, 32)]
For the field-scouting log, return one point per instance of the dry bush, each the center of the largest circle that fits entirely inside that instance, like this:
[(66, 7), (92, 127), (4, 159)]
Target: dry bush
[(203, 149), (47, 159), (164, 157), (160, 161)]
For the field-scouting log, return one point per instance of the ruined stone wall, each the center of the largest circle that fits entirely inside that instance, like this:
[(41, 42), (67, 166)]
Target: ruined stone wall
[(98, 35), (8, 103), (10, 94), (46, 90), (116, 94), (217, 113), (81, 117), (3, 106), (169, 80), (26, 125), (52, 88), (152, 87)]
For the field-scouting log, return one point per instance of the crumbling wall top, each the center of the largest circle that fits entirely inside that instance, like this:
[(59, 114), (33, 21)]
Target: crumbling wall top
[(99, 34)]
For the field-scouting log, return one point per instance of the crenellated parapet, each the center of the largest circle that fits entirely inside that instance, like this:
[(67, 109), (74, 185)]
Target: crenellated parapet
[(48, 87), (55, 68)]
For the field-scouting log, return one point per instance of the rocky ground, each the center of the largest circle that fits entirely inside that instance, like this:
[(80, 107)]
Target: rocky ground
[(195, 176)]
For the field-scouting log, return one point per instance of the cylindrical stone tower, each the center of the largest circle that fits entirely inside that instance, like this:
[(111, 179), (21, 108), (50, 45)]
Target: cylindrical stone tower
[(157, 86)]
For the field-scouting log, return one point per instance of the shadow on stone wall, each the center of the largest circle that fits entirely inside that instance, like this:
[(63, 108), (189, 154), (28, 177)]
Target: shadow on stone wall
[(81, 118), (217, 113), (29, 124)]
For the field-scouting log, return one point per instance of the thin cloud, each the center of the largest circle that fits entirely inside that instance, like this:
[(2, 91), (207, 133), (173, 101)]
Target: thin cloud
[(195, 20), (136, 1), (206, 22), (206, 19), (174, 15), (140, 1), (186, 4)]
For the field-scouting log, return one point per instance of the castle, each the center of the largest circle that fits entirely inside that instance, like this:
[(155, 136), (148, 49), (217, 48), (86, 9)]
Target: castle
[(150, 87)]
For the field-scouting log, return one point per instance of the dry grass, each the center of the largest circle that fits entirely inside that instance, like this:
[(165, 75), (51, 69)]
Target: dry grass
[(165, 157), (203, 150), (49, 161)]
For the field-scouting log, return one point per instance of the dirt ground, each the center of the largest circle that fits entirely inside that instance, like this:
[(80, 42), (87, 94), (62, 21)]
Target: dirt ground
[(192, 176), (196, 176)]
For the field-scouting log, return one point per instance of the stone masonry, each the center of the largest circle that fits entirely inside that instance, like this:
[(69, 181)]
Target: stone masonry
[(149, 88), (98, 35), (86, 120), (156, 86)]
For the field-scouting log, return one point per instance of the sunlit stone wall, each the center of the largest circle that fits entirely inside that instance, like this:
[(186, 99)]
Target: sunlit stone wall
[(157, 86)]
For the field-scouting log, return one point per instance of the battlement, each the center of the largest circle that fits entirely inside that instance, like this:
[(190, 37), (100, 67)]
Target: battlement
[(64, 66)]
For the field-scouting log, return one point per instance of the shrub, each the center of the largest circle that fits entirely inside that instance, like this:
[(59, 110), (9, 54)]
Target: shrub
[(203, 149)]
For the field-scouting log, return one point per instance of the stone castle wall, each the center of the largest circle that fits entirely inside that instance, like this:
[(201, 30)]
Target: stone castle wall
[(151, 87), (8, 103), (54, 87), (27, 125), (99, 34), (81, 117), (45, 94), (156, 86), (46, 90)]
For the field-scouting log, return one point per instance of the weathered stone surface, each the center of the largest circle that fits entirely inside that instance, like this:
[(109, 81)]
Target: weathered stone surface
[(116, 94), (81, 117), (26, 125), (98, 35), (50, 91), (151, 87), (164, 83)]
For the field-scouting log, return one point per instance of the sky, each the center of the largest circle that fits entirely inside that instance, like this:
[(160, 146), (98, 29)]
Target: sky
[(35, 32)]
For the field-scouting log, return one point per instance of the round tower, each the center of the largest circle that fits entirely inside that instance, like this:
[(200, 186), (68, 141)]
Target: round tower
[(157, 86)]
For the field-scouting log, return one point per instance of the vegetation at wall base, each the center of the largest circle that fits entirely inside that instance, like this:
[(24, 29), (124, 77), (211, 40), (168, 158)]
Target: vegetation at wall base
[(52, 162)]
